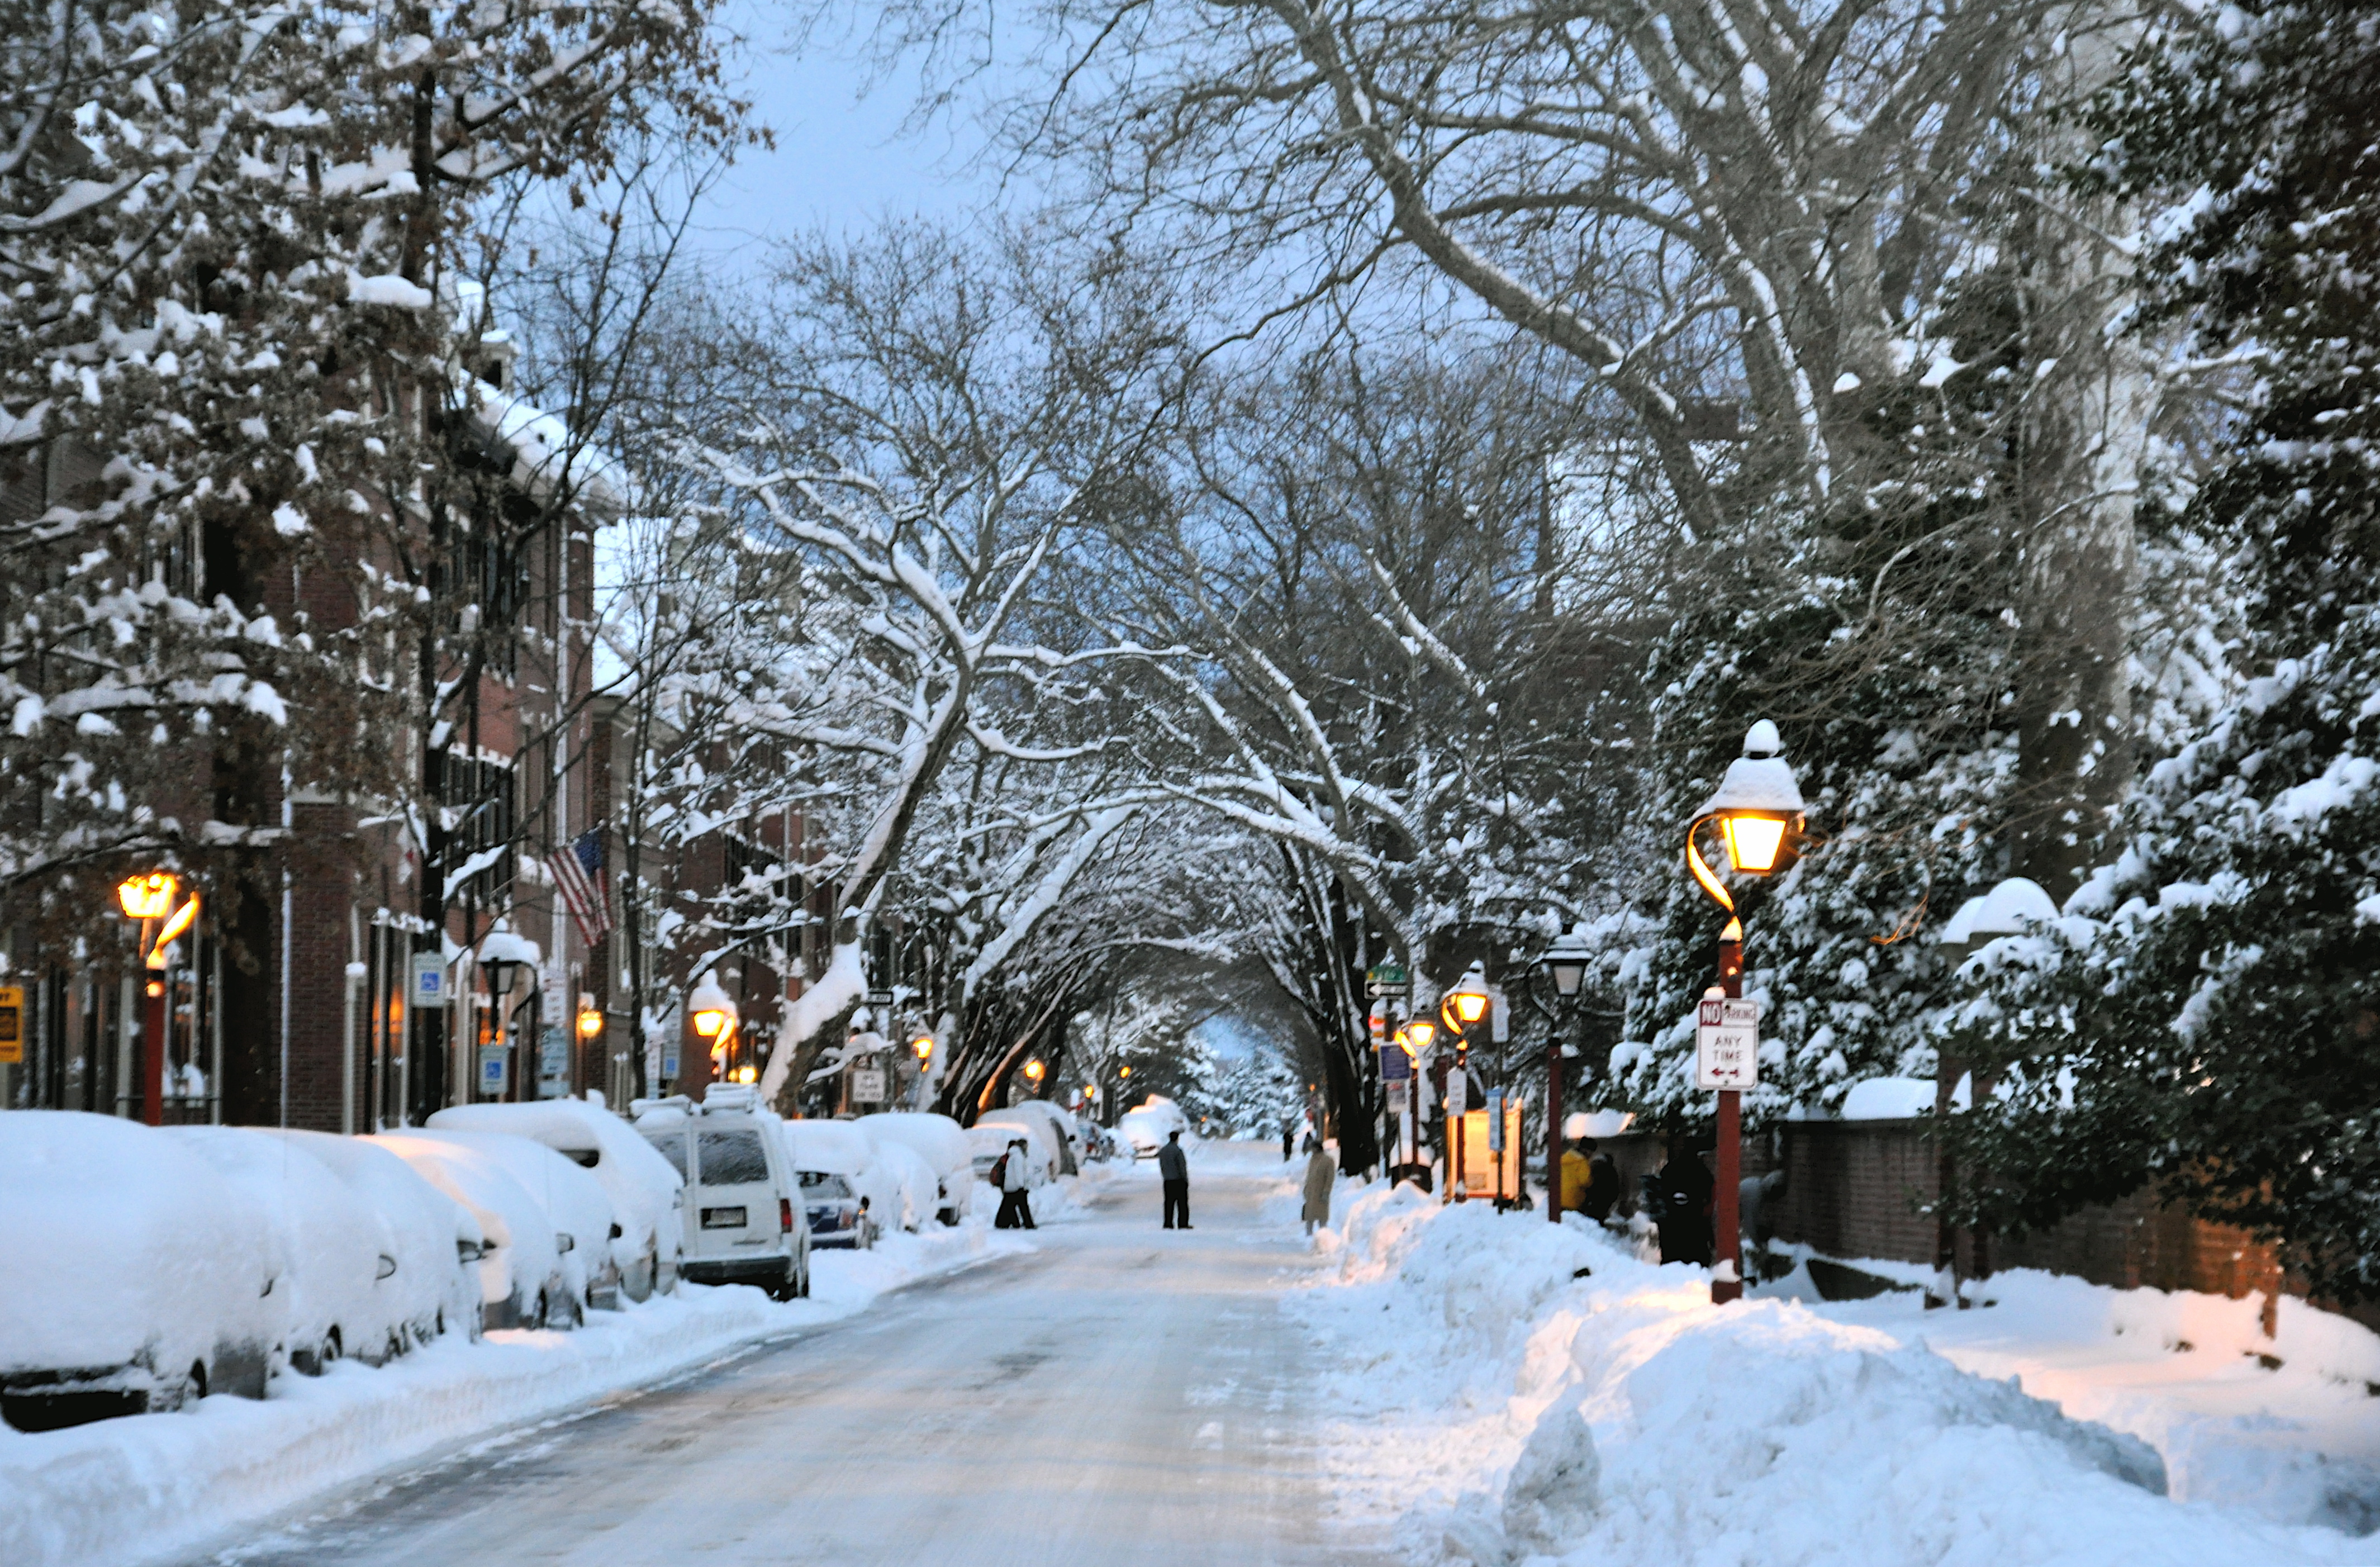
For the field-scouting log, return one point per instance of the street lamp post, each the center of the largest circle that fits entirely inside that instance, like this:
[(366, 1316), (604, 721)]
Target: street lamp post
[(590, 1028), (502, 952), (1759, 813), (150, 899), (1565, 962), (921, 1045), (1461, 1010)]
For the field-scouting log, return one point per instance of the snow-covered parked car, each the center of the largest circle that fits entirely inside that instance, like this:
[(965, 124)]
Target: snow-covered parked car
[(583, 1224), (339, 1294), (521, 1281), (138, 1277), (744, 1218), (843, 1148), (434, 1240), (987, 1143), (644, 1189), (1057, 1133), (921, 1192), (1148, 1125), (943, 1143), (1051, 1156)]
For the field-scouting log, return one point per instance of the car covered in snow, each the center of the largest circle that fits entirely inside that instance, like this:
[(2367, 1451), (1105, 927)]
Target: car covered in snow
[(1051, 1153), (944, 1146), (1053, 1131), (645, 1192), (744, 1216), (1146, 1127), (521, 1279), (434, 1241), (344, 1287), (833, 1207), (844, 1149), (583, 1226), (137, 1280)]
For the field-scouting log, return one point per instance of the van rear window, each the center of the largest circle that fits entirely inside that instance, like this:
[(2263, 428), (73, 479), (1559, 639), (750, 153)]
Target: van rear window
[(672, 1146), (731, 1158)]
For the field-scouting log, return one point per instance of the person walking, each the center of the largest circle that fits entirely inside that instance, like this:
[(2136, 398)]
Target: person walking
[(1321, 1174), (1684, 1186), (1576, 1175), (1602, 1182), (1288, 1138), (1174, 1169), (1010, 1173)]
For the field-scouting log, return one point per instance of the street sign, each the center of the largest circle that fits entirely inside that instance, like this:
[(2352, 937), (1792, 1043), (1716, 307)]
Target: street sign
[(429, 979), (492, 1068), (1458, 1092), (1496, 1121), (1387, 980), (1399, 1095), (1727, 1043), (12, 1025), (1395, 1065), (879, 998), (867, 1084)]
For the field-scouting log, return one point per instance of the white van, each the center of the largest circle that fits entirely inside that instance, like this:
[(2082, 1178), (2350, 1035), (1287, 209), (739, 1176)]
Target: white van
[(744, 1216)]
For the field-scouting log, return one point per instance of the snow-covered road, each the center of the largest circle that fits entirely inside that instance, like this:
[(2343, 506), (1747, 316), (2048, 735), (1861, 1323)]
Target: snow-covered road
[(1117, 1394)]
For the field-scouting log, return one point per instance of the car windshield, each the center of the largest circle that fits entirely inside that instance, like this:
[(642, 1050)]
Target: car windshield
[(672, 1146), (819, 1186), (731, 1158)]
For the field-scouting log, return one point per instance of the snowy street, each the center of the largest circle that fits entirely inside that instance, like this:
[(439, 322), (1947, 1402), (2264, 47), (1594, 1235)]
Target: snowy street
[(1118, 1394)]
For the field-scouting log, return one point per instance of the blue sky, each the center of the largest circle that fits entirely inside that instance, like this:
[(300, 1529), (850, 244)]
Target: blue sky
[(842, 162)]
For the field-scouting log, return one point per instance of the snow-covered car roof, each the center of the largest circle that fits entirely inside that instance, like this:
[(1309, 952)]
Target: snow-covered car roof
[(941, 1141), (838, 1148)]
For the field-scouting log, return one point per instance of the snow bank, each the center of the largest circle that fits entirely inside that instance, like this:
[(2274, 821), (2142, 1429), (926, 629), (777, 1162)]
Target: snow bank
[(1513, 1390), (130, 1491)]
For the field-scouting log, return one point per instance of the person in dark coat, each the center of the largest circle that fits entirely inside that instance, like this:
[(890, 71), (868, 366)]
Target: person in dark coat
[(1602, 1182), (1684, 1187), (1288, 1139), (1174, 1169)]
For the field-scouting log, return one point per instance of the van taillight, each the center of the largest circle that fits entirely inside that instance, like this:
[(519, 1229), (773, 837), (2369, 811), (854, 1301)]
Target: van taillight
[(785, 1216)]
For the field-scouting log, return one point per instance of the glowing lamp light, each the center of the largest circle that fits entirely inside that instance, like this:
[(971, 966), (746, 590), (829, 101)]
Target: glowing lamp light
[(1124, 1071), (1418, 1034), (747, 1073), (1466, 1004), (148, 897), (924, 1045), (1034, 1070), (590, 1017), (713, 1009), (1759, 811)]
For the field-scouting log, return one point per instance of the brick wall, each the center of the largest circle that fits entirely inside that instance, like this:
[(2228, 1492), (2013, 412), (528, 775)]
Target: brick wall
[(1852, 1190)]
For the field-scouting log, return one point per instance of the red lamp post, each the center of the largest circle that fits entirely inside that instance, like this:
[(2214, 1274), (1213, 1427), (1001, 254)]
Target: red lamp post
[(1759, 814)]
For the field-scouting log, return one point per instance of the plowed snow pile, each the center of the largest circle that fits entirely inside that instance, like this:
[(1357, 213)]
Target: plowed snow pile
[(1512, 1391)]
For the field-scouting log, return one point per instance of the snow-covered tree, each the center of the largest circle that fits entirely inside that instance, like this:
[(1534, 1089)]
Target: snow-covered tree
[(2203, 1016)]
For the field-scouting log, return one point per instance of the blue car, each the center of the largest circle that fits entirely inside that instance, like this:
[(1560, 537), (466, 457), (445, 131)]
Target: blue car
[(833, 1209)]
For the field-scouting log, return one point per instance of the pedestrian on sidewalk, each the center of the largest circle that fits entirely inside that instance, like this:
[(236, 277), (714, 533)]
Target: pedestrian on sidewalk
[(1174, 1169), (1321, 1174), (1288, 1138), (1009, 1173), (1684, 1186)]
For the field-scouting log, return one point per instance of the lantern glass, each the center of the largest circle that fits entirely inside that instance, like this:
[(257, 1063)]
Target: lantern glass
[(1421, 1031), (1752, 842), (1034, 1069), (709, 1022), (590, 1022), (1568, 976), (1470, 1006), (147, 897), (924, 1045)]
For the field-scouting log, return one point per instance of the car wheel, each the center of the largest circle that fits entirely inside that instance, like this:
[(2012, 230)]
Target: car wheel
[(328, 1352), (198, 1383), (539, 1320)]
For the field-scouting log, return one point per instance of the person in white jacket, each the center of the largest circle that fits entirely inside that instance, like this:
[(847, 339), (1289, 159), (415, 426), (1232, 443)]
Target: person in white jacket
[(1015, 1180)]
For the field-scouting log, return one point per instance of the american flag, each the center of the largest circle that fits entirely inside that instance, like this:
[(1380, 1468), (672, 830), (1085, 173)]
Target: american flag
[(579, 874)]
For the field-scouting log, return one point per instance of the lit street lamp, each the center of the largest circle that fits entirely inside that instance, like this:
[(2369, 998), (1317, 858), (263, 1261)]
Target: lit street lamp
[(711, 1012), (1759, 813), (150, 899), (1565, 962), (1034, 1071)]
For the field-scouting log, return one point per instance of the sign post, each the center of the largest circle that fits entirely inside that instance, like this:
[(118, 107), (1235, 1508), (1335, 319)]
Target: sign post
[(12, 1025), (1727, 1057)]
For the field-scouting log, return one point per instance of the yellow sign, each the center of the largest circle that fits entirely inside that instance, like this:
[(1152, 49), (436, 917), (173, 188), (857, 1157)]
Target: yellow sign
[(12, 1025)]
